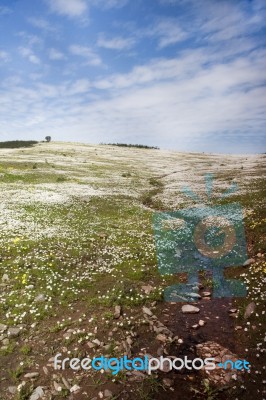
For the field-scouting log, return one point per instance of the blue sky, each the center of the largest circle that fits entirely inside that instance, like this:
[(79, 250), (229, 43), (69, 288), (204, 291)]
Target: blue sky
[(181, 74)]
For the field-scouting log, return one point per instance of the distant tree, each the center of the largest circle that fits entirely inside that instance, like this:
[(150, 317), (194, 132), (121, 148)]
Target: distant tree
[(48, 138)]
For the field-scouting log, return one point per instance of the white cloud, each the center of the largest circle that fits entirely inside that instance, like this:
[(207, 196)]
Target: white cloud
[(78, 87), (31, 40), (56, 55), (28, 53), (115, 43), (4, 56), (106, 4), (87, 53), (70, 8), (168, 31), (78, 8), (5, 10), (41, 23)]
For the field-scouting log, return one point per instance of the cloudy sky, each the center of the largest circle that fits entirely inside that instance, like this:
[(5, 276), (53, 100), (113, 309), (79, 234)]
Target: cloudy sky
[(183, 74)]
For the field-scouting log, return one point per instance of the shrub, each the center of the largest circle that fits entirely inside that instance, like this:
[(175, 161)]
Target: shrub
[(14, 144)]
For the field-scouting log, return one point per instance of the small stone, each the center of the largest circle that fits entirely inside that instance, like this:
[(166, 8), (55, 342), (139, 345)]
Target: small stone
[(161, 338), (238, 328), (13, 332), (65, 382), (233, 310), (129, 341), (96, 341), (147, 311), (201, 322), (248, 262), (91, 345), (107, 393), (74, 389), (31, 375), (57, 387), (37, 394), (5, 278), (188, 309), (249, 310), (12, 389), (5, 342), (3, 328), (40, 298), (195, 326), (117, 312), (206, 294), (147, 289), (194, 295)]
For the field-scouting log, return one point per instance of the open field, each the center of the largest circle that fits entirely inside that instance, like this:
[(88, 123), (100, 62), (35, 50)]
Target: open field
[(77, 240)]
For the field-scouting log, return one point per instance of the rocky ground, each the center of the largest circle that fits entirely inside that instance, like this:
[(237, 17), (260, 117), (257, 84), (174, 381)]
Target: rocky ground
[(79, 274)]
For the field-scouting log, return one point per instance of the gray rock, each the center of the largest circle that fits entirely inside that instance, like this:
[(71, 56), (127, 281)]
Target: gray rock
[(38, 393), (107, 393), (97, 342), (13, 332), (188, 309), (57, 387), (248, 262), (66, 383), (129, 341), (194, 295), (91, 345), (117, 312), (40, 298), (176, 297), (12, 389), (250, 310), (161, 338), (74, 389), (147, 289), (32, 375), (5, 278), (3, 328), (147, 311)]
